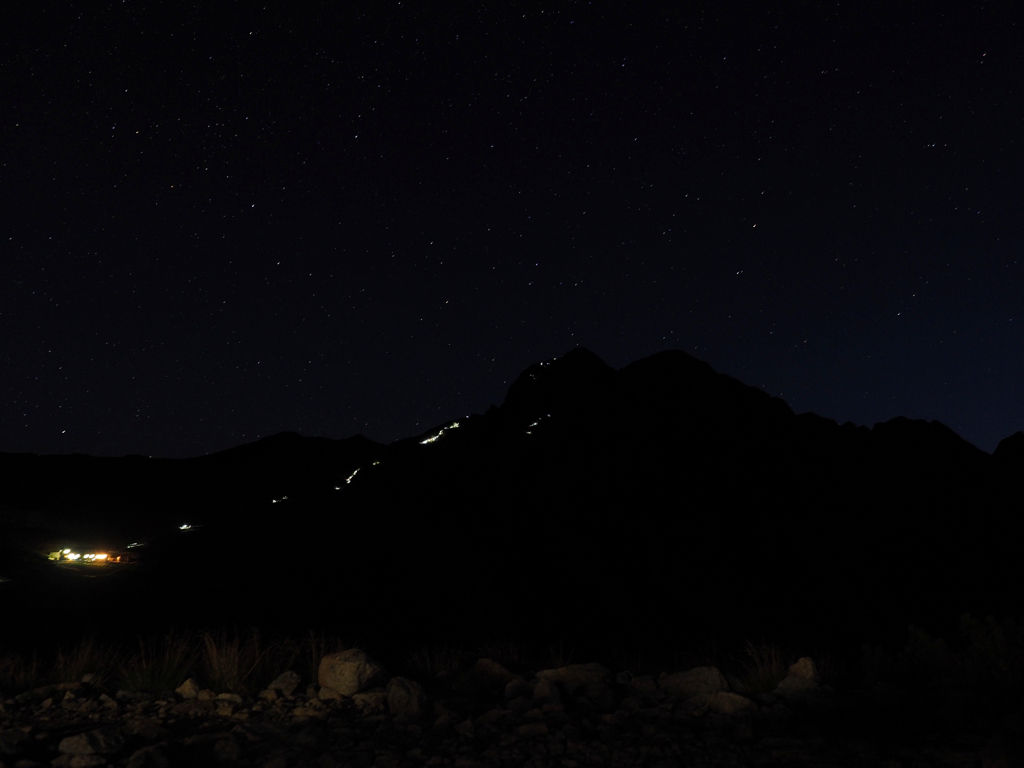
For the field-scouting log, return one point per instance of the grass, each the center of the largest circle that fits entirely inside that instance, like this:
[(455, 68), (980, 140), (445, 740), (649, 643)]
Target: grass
[(158, 664), (989, 658), (226, 661)]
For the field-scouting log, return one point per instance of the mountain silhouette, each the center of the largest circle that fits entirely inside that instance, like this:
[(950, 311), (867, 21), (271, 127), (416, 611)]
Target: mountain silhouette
[(660, 498)]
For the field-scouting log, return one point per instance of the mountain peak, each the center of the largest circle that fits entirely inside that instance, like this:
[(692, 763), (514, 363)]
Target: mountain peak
[(562, 382)]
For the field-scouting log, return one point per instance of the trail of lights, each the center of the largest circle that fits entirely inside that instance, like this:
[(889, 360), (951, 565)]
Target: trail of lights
[(453, 425)]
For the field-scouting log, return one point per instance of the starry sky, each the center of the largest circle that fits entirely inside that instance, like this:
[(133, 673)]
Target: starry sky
[(225, 220)]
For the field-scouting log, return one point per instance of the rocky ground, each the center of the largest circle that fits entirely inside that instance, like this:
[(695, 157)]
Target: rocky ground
[(579, 715)]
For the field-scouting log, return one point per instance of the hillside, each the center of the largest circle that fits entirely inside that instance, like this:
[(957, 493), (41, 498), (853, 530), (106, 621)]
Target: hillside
[(657, 499)]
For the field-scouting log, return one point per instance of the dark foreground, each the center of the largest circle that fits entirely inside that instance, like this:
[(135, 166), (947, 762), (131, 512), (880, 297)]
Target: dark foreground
[(484, 713)]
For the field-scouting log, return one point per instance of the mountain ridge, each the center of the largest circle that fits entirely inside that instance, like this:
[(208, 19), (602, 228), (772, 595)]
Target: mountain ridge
[(659, 493)]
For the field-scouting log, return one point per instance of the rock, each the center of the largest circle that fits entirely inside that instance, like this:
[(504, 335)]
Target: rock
[(547, 690), (491, 675), (532, 729), (596, 696), (194, 706), (727, 703), (644, 685), (406, 697), (700, 681), (13, 742), (804, 668), (575, 676), (100, 741), (207, 695), (378, 726), (234, 698), (148, 727), (350, 672), (227, 749), (286, 683), (149, 757), (329, 694), (736, 685), (77, 761), (801, 684), (515, 688), (371, 703)]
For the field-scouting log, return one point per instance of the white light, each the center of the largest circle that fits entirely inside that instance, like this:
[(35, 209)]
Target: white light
[(453, 425), (354, 473), (185, 527)]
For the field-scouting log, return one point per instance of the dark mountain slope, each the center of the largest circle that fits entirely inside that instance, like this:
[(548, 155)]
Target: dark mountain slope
[(137, 495), (666, 490), (661, 499)]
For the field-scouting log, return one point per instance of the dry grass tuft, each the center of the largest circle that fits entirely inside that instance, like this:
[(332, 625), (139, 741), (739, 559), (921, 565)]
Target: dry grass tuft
[(159, 664)]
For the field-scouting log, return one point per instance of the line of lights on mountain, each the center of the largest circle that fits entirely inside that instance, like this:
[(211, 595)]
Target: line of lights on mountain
[(355, 472), (453, 425), (537, 421)]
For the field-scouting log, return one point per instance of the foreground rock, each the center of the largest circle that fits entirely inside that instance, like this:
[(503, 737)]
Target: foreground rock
[(578, 715)]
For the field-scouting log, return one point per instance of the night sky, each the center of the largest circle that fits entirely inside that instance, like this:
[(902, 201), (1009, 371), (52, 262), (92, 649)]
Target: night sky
[(225, 220)]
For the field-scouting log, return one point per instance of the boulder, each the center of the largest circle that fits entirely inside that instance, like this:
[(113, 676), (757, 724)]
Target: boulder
[(13, 741), (100, 741), (286, 683), (406, 697), (188, 690), (371, 703), (701, 682), (726, 703), (350, 672), (801, 682), (491, 674), (546, 691), (149, 757), (596, 696), (515, 688), (576, 676)]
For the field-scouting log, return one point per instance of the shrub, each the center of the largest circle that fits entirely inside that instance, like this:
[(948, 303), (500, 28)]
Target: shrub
[(90, 656), (18, 674), (764, 668), (159, 665), (233, 664)]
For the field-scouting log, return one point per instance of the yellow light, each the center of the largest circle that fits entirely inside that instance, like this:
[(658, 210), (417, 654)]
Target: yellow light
[(100, 557), (67, 551)]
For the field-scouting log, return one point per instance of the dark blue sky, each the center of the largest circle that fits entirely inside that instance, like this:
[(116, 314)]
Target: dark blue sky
[(226, 222)]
